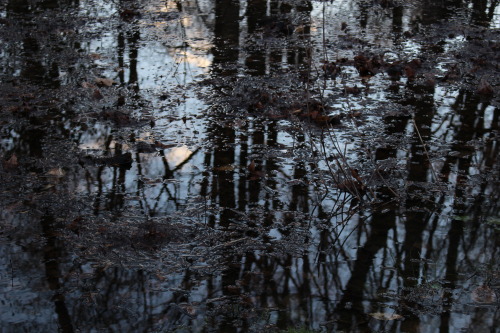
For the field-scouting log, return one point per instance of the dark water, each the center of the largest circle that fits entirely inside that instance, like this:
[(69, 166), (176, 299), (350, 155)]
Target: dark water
[(262, 166)]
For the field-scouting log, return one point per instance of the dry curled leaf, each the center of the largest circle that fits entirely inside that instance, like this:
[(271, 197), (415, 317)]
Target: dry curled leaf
[(95, 56), (189, 309), (11, 163), (87, 85), (255, 171), (355, 175), (252, 166), (97, 94), (484, 88), (352, 90), (227, 167), (102, 81), (56, 172), (484, 295), (300, 29), (385, 316)]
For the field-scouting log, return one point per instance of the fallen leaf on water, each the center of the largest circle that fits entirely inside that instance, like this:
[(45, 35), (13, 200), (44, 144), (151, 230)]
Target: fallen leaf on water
[(87, 85), (47, 187), (485, 88), (410, 72), (255, 171), (385, 316), (300, 29), (160, 277), (331, 69), (95, 56), (102, 81), (367, 66), (415, 63), (120, 118), (430, 80), (227, 167), (190, 310), (252, 166), (352, 90), (97, 94), (75, 225), (484, 295), (56, 172), (355, 175), (11, 163)]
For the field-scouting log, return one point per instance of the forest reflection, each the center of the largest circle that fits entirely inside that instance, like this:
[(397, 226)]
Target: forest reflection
[(291, 238)]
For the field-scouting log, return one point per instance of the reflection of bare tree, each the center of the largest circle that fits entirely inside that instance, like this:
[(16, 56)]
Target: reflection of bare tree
[(468, 130), (339, 277), (154, 205), (30, 65), (128, 39), (282, 256), (53, 272)]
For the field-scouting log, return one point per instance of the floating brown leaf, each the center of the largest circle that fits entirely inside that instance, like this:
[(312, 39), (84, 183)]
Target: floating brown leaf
[(366, 66), (484, 88), (415, 63), (87, 85), (299, 29), (355, 175), (385, 316), (484, 295), (75, 225), (331, 70), (314, 114), (95, 56), (395, 70), (410, 72), (251, 167), (227, 167), (352, 90), (11, 163), (430, 80), (97, 94), (118, 117), (56, 172), (255, 171), (102, 81), (189, 309), (452, 74)]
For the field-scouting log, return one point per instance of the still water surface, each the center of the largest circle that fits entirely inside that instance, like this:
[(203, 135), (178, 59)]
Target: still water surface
[(260, 166)]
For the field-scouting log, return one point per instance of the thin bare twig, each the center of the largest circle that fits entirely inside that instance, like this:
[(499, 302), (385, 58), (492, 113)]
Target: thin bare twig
[(425, 149)]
